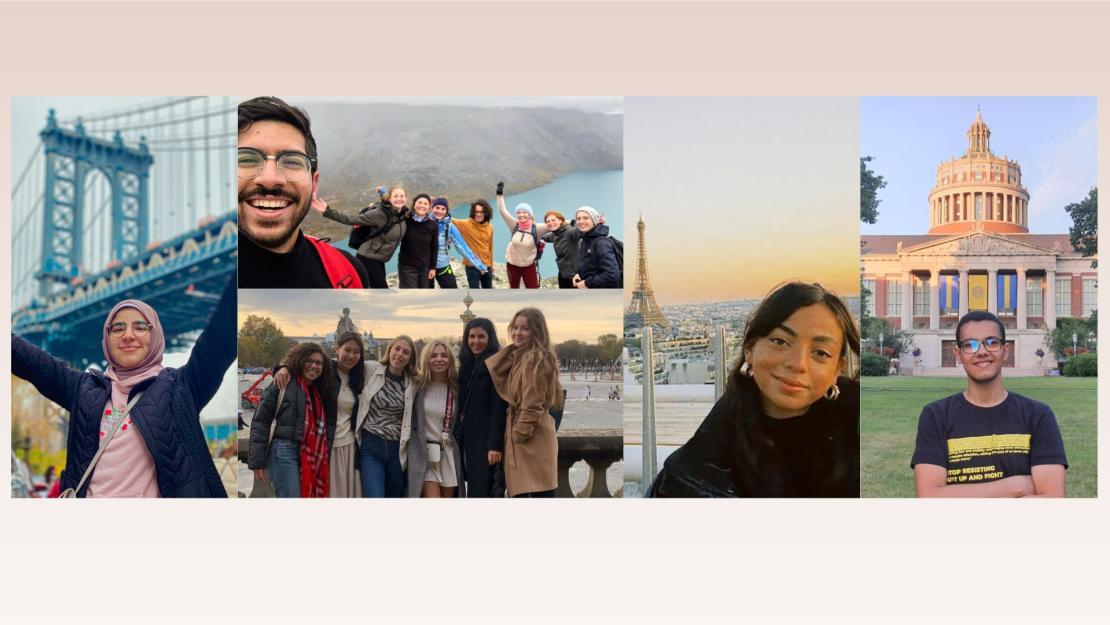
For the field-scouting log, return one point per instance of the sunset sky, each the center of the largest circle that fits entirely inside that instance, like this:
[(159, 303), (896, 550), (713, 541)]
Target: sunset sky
[(434, 313), (740, 194)]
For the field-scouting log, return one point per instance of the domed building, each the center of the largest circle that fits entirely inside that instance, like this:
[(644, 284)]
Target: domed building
[(977, 255)]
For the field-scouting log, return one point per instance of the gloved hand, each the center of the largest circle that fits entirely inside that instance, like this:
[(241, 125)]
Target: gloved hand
[(500, 188)]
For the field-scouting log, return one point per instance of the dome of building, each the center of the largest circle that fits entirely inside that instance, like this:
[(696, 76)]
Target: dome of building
[(979, 190)]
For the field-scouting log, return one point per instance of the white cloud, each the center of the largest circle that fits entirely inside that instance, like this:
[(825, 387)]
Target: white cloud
[(1069, 169)]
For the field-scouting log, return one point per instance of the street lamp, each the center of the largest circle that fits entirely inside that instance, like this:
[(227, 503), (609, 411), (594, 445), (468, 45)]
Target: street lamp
[(880, 343), (1074, 340)]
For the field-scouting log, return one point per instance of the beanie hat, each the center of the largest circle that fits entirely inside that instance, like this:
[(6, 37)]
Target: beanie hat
[(441, 201), (525, 207), (589, 210)]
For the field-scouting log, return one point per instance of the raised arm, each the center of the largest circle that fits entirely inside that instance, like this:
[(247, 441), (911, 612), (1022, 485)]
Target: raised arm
[(371, 217), (52, 377), (460, 243), (510, 220), (214, 350), (930, 480)]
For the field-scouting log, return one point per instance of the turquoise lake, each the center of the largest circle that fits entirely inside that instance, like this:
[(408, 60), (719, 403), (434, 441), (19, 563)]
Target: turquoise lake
[(603, 190)]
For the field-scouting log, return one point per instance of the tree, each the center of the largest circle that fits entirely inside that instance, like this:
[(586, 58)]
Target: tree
[(1059, 340), (869, 185), (609, 347), (899, 341), (1084, 230), (261, 342)]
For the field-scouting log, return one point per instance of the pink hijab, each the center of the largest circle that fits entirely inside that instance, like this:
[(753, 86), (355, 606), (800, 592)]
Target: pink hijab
[(123, 379)]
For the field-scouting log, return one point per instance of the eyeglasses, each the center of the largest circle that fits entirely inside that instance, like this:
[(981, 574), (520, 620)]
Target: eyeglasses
[(294, 166), (314, 363), (139, 328), (971, 346)]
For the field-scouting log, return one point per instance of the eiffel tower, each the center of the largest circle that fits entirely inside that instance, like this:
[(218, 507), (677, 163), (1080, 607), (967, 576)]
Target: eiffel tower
[(643, 311)]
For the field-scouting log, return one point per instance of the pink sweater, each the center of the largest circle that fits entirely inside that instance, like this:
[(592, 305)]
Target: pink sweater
[(126, 468)]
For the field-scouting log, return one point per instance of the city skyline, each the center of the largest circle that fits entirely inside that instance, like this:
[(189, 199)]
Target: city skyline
[(434, 313), (1053, 138), (731, 189)]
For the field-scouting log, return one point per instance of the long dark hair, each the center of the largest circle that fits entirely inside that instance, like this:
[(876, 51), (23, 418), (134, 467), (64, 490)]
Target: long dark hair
[(298, 355), (784, 301), (356, 379), (743, 396), (467, 359)]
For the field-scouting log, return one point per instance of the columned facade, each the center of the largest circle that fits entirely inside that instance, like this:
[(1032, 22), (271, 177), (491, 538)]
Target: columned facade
[(978, 255)]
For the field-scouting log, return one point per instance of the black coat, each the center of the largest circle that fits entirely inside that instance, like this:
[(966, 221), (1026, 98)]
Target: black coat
[(480, 428), (597, 260), (167, 415), (731, 454)]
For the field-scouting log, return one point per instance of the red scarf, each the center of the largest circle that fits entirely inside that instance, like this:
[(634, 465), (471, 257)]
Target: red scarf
[(314, 446)]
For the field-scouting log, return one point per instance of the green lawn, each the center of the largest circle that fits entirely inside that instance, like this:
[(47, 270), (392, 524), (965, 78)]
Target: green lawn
[(891, 406)]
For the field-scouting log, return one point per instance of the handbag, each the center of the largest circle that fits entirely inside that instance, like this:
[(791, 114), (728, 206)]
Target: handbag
[(71, 493)]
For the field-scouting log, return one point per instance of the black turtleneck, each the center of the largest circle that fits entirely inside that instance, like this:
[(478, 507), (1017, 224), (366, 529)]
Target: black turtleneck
[(300, 268)]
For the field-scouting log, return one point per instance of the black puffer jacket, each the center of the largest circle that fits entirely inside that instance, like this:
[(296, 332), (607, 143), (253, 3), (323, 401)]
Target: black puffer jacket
[(290, 421), (597, 260), (167, 415), (732, 454)]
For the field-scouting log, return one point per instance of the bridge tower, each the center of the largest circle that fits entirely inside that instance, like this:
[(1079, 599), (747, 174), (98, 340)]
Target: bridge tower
[(71, 155), (643, 311)]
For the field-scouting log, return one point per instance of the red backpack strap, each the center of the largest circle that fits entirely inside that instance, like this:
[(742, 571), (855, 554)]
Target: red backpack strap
[(341, 272)]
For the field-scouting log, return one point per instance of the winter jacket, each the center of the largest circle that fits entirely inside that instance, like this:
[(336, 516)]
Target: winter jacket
[(167, 415), (480, 427), (381, 246), (565, 240), (597, 260), (530, 387), (730, 455), (290, 420), (417, 456)]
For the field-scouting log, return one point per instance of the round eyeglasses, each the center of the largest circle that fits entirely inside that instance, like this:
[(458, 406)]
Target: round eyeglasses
[(139, 328), (295, 166), (971, 346)]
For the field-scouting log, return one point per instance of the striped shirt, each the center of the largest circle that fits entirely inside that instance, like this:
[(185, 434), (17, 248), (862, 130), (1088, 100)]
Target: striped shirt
[(387, 409)]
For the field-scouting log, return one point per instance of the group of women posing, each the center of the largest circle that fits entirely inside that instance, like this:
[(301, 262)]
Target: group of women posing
[(389, 428), (585, 254)]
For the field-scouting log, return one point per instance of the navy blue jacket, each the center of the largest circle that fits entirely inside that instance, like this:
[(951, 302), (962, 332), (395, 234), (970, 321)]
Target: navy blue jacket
[(167, 415), (597, 260)]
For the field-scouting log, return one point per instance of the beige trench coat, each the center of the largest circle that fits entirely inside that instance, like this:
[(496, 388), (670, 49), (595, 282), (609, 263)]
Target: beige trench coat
[(530, 386)]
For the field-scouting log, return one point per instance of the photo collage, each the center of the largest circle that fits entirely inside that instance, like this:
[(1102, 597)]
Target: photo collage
[(554, 297)]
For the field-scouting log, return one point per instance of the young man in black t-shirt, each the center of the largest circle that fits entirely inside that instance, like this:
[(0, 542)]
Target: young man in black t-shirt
[(987, 441), (273, 200)]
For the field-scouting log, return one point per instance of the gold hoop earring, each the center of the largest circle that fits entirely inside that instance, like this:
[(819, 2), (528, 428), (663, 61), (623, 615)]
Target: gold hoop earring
[(833, 394), (746, 369)]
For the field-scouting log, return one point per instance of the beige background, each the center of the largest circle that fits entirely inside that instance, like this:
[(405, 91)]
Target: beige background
[(554, 562)]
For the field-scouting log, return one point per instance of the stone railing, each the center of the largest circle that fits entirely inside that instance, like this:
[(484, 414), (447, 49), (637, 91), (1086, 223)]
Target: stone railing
[(599, 449)]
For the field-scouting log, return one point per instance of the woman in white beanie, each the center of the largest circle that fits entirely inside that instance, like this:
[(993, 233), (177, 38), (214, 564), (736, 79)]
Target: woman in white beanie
[(600, 261), (524, 250)]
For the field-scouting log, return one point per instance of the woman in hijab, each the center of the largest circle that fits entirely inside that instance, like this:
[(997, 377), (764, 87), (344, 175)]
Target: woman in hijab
[(144, 415), (481, 424)]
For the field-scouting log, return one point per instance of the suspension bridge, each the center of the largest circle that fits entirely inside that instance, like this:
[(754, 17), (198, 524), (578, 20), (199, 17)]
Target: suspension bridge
[(136, 202)]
